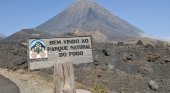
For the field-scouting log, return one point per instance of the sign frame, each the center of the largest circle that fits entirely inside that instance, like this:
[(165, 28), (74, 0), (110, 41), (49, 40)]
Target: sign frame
[(52, 63)]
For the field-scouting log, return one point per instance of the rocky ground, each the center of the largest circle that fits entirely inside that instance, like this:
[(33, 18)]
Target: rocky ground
[(117, 68), (128, 68)]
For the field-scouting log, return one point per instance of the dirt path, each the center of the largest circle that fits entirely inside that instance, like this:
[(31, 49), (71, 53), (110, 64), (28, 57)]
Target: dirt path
[(28, 82), (6, 86), (31, 82)]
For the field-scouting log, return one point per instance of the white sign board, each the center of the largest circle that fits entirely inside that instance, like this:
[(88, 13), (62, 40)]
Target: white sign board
[(44, 53)]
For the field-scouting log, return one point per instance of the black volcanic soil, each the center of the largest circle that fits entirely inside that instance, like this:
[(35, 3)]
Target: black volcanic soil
[(123, 68)]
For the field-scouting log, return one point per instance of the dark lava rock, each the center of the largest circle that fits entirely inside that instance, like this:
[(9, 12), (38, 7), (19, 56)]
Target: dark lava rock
[(153, 57), (120, 43), (139, 42), (167, 60), (106, 52), (13, 55)]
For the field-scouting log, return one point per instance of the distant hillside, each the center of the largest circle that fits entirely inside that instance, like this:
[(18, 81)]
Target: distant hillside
[(24, 34), (89, 17), (2, 36)]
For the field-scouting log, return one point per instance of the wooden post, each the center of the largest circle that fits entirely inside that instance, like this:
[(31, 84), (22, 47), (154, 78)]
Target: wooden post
[(64, 78)]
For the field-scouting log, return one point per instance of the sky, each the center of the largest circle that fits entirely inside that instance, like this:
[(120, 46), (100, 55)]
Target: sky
[(151, 16)]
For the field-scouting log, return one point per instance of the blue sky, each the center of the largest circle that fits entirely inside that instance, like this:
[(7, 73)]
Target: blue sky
[(152, 16)]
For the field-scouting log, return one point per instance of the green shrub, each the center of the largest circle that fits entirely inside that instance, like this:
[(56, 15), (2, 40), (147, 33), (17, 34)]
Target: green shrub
[(99, 88)]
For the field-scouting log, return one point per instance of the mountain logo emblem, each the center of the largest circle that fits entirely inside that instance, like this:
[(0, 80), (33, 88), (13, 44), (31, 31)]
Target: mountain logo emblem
[(38, 49)]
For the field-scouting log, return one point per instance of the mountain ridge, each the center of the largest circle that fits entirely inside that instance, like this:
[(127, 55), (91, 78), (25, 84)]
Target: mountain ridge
[(23, 34), (83, 18), (88, 16)]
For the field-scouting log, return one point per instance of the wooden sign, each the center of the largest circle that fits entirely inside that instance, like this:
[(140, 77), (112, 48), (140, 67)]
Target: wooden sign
[(64, 78), (60, 53), (44, 53)]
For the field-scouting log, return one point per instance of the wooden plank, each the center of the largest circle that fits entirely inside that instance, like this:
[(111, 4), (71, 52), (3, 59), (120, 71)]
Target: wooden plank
[(64, 78)]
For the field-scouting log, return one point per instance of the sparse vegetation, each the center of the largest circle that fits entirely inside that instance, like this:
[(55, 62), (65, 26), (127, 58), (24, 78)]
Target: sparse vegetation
[(99, 88)]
